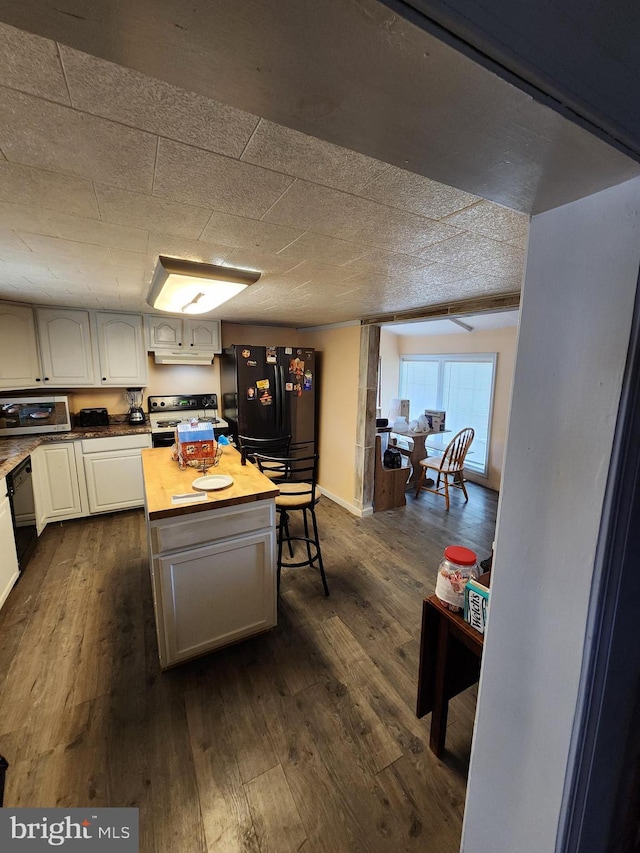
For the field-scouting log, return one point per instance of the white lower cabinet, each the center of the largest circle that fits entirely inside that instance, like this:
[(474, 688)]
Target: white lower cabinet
[(72, 479), (113, 472), (220, 591), (9, 570), (56, 489)]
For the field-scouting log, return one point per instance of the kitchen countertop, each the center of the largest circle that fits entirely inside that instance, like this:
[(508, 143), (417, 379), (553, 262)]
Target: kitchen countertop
[(163, 478), (14, 450)]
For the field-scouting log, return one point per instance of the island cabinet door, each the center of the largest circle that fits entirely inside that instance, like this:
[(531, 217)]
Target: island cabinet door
[(215, 595)]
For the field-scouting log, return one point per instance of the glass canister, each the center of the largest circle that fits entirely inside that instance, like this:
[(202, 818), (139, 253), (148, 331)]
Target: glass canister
[(457, 566)]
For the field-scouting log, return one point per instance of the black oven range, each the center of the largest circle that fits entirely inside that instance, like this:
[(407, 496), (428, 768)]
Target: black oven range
[(166, 412)]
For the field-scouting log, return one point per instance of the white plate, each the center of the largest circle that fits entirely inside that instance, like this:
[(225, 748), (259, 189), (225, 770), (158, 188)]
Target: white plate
[(213, 481)]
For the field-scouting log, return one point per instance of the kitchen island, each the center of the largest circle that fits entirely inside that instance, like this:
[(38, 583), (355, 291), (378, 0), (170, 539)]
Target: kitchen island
[(213, 564)]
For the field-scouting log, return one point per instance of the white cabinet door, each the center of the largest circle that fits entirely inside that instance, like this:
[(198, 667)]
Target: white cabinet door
[(56, 488), (8, 558), (163, 332), (172, 333), (123, 356), (114, 476), (202, 335), (19, 362), (215, 595), (65, 347)]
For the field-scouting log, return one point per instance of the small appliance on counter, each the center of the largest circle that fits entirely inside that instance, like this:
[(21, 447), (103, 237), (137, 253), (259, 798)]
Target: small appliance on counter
[(133, 396), (95, 417), (24, 415)]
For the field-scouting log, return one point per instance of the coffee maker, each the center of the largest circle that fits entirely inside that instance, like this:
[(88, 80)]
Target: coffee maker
[(133, 396)]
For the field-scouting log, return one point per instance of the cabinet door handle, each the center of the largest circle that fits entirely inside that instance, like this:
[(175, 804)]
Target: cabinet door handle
[(104, 378), (37, 379)]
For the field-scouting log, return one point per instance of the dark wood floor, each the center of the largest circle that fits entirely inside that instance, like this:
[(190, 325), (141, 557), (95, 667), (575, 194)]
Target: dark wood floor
[(302, 739)]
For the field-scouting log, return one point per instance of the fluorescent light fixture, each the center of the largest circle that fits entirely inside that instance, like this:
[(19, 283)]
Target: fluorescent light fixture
[(189, 287)]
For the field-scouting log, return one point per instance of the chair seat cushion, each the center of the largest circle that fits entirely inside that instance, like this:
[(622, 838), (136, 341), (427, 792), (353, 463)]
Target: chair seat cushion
[(301, 498)]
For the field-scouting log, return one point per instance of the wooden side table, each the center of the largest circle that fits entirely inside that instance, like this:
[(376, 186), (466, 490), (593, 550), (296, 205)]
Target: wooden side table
[(450, 655)]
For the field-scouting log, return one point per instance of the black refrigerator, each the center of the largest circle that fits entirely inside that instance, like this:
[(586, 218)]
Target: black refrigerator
[(269, 392)]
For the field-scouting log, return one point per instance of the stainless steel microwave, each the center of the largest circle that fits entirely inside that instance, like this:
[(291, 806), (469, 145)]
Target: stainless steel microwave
[(31, 415)]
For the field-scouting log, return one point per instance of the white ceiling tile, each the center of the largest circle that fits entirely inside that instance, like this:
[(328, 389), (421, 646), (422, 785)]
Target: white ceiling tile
[(476, 252), (520, 242), (386, 262), (401, 231), (133, 260), (317, 273), (285, 150), (51, 190), (321, 209), (38, 133), (248, 233), (491, 220), (183, 247), (268, 264), (102, 233), (10, 241), (210, 180), (31, 64), (329, 250), (416, 194), (22, 217), (146, 211), (66, 248), (109, 90)]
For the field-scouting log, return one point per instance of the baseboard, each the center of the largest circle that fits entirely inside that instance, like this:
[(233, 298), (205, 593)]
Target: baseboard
[(353, 509)]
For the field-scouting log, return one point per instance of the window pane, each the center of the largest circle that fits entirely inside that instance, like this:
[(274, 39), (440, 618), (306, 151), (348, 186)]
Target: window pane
[(419, 384), (466, 398)]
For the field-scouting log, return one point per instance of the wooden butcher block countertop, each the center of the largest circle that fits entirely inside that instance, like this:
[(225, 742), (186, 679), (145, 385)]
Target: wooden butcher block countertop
[(163, 478)]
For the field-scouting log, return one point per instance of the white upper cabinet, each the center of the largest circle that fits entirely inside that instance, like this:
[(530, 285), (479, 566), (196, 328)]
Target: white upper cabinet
[(65, 347), (163, 332), (121, 349), (202, 335), (19, 362), (173, 333)]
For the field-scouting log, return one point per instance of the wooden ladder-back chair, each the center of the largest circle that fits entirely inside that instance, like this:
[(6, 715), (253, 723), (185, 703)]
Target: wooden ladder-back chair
[(450, 464)]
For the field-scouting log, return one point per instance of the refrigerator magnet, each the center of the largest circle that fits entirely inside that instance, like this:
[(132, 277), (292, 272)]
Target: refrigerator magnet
[(251, 393), (296, 366), (298, 389), (307, 382), (288, 386), (265, 398), (288, 351), (252, 363), (262, 384), (272, 355), (246, 353)]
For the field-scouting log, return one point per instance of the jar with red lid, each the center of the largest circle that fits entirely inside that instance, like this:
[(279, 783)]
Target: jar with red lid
[(457, 566)]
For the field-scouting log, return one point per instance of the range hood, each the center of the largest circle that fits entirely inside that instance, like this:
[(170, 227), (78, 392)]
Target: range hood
[(182, 357)]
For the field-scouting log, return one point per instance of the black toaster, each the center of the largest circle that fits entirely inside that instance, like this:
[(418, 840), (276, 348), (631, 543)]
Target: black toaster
[(93, 417)]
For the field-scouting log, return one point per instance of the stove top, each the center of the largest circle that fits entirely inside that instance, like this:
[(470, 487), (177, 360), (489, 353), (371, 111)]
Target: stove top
[(187, 416)]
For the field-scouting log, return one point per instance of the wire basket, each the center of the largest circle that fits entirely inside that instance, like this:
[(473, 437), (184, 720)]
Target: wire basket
[(202, 461)]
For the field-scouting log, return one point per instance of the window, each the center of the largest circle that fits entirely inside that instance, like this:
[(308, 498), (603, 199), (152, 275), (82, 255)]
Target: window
[(460, 385)]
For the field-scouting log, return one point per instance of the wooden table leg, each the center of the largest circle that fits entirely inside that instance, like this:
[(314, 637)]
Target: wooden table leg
[(440, 711)]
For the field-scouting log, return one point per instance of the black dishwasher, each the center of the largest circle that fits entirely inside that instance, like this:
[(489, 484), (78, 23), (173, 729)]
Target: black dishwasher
[(23, 515)]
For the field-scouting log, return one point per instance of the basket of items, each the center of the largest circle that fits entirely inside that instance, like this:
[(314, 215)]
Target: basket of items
[(196, 446)]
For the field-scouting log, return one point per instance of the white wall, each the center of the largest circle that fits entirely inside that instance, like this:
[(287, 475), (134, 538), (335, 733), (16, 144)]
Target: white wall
[(580, 283)]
